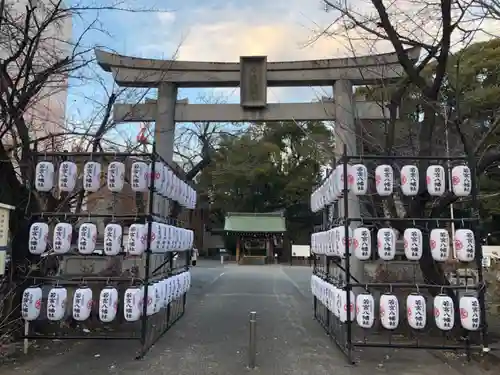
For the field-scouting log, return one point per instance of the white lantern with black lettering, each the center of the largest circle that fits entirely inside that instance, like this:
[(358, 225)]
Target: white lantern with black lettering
[(56, 303), (440, 244), (338, 302), (416, 311), (67, 176), (389, 311), (156, 237), (386, 243), (113, 239), (116, 176), (44, 175), (39, 235), (362, 243), (360, 180), (87, 237), (152, 300), (470, 313), (139, 176), (413, 243), (132, 304), (365, 310), (384, 180), (435, 178), (409, 180), (461, 180), (91, 176), (465, 245), (108, 304), (444, 312), (31, 303), (63, 232), (82, 304), (137, 234)]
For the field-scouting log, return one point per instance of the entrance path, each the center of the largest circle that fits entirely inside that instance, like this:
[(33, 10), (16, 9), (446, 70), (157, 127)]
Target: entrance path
[(212, 338)]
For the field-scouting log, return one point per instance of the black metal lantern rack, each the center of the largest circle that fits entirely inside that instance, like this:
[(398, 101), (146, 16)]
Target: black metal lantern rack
[(148, 329), (347, 335)]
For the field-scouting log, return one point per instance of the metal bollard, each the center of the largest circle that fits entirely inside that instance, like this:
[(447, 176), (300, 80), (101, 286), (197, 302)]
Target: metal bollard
[(252, 344)]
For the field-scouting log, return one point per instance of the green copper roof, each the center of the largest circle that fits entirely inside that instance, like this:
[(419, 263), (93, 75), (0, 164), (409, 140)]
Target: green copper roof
[(256, 223)]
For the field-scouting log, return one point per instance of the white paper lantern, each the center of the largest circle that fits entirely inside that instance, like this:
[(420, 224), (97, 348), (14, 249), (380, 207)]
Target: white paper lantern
[(338, 308), (156, 237), (92, 176), (175, 188), (461, 180), (465, 245), (362, 243), (413, 243), (82, 304), (444, 312), (87, 237), (389, 311), (116, 176), (435, 179), (416, 311), (440, 244), (39, 234), (152, 300), (342, 295), (136, 243), (159, 176), (170, 289), (113, 239), (164, 237), (31, 303), (169, 183), (133, 302), (338, 178), (386, 243), (44, 175), (365, 310), (139, 176), (108, 304), (67, 176), (469, 313), (56, 303), (360, 177), (409, 180), (384, 180), (157, 297), (63, 232), (188, 275)]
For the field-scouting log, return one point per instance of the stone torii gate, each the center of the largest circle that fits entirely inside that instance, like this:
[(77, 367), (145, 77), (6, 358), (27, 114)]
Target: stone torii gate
[(253, 75)]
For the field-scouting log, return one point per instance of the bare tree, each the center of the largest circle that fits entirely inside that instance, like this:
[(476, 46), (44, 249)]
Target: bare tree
[(38, 58), (194, 142), (427, 96)]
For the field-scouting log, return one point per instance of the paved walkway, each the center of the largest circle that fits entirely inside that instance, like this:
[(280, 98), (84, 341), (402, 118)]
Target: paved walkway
[(212, 337)]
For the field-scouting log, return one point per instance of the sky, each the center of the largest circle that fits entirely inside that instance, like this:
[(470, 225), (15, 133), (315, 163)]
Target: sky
[(219, 30)]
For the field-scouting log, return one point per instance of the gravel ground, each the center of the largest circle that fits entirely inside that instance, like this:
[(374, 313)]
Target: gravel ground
[(212, 338)]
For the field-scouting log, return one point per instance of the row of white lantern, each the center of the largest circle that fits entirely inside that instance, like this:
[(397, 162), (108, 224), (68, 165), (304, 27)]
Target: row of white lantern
[(160, 294), (166, 183), (333, 243), (362, 308), (164, 238), (357, 182)]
